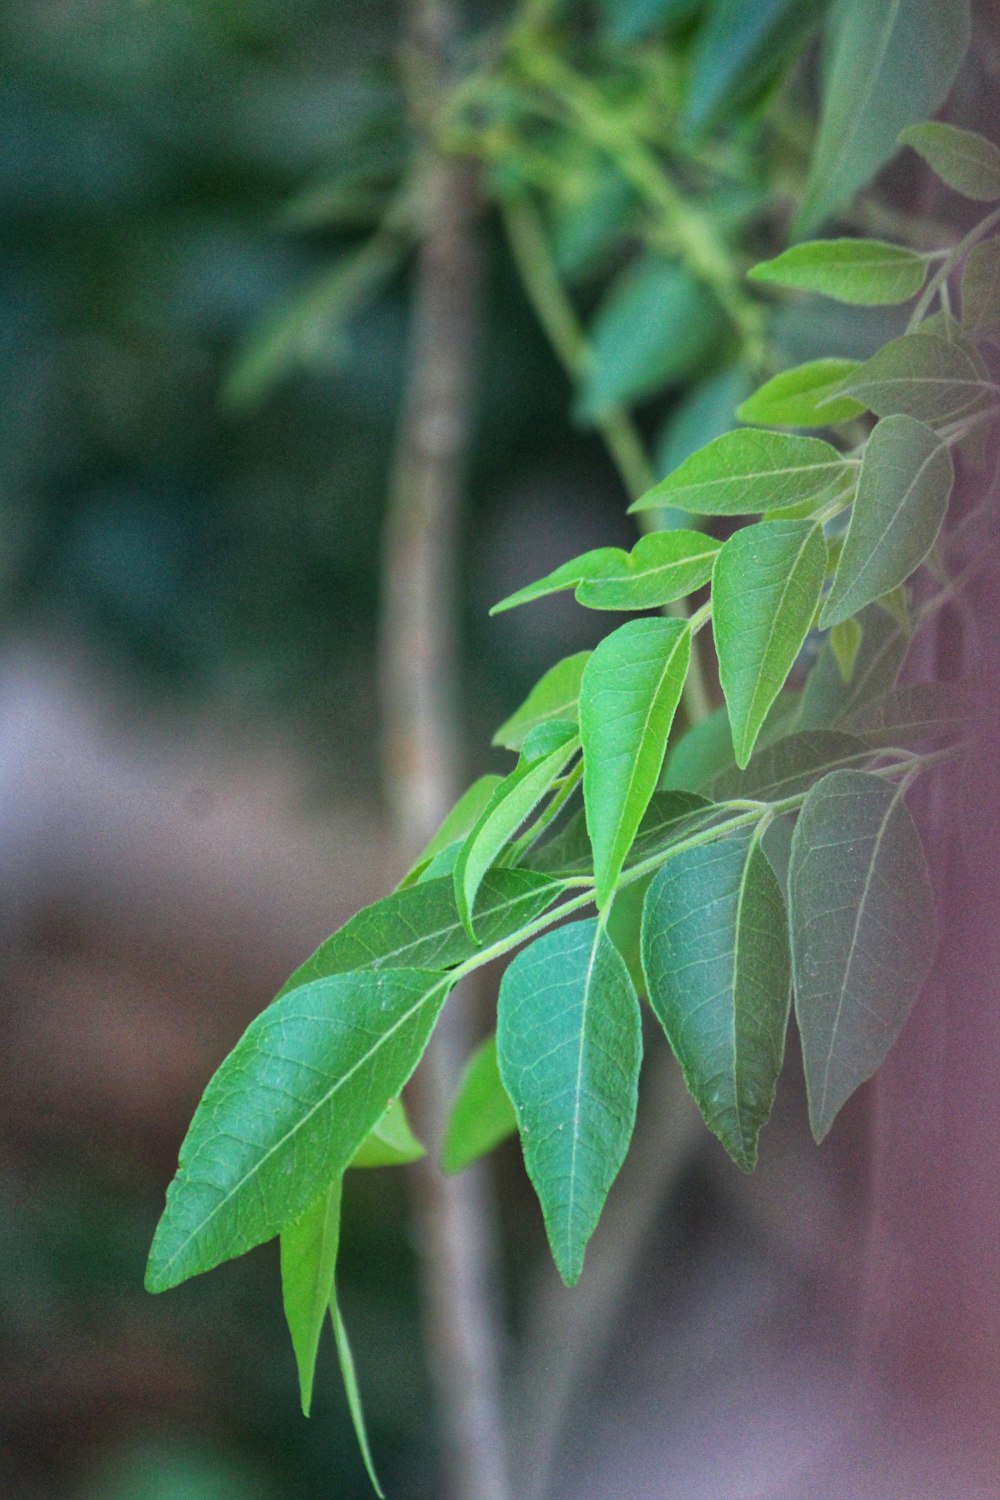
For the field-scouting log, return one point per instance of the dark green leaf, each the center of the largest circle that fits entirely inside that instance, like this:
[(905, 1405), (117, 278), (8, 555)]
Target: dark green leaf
[(627, 19), (287, 1110), (863, 932), (631, 688), (964, 160), (482, 1115), (668, 813), (554, 696), (870, 273), (924, 376), (907, 715), (791, 765), (906, 479), (790, 399), (765, 589), (715, 952), (745, 472), (981, 286), (890, 63), (739, 48), (827, 699), (308, 1262), (569, 1041), (661, 567)]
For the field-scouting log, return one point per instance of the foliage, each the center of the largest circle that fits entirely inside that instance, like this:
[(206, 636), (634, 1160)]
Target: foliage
[(623, 778)]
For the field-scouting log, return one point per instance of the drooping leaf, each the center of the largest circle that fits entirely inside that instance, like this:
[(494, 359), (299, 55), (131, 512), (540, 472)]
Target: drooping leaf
[(420, 927), (554, 696), (661, 567), (569, 1043), (889, 64), (286, 1111), (631, 687), (869, 273), (482, 1115), (512, 803), (863, 932), (963, 159), (353, 1391), (908, 715), (765, 589), (791, 765), (738, 49), (906, 479), (828, 699), (308, 1262), (791, 398), (390, 1143), (656, 327), (457, 823), (924, 376), (715, 953), (745, 472), (981, 286)]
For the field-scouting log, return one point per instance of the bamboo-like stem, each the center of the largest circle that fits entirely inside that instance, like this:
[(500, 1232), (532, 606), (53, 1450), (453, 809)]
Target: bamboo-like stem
[(421, 747)]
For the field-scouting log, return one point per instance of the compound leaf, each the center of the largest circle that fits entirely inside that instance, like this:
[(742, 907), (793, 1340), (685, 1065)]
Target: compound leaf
[(745, 472), (870, 273)]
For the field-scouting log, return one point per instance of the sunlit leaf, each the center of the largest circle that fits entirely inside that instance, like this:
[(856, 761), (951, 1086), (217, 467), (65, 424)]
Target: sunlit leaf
[(661, 567), (308, 1262), (746, 472), (456, 824), (554, 696), (867, 272), (791, 398), (390, 1143), (964, 160)]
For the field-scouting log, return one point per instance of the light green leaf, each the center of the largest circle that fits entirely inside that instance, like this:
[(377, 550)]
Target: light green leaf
[(630, 691), (661, 567), (845, 643), (981, 286), (554, 696), (863, 932), (765, 589), (889, 64), (545, 739), (512, 803), (455, 826), (739, 48), (907, 715), (704, 412), (791, 765), (286, 1111), (870, 273), (657, 325), (390, 1143), (308, 1262), (350, 1379), (745, 472), (715, 953), (924, 376), (828, 699), (420, 927), (790, 399), (906, 479), (482, 1115), (964, 160), (569, 1042)]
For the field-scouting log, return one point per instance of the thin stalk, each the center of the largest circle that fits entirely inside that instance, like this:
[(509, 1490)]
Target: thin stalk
[(948, 264)]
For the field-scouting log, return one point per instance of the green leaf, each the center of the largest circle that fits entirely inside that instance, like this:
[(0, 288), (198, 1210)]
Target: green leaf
[(863, 932), (845, 643), (701, 414), (745, 472), (661, 567), (791, 398), (349, 1376), (981, 286), (906, 479), (669, 814), (390, 1143), (569, 1042), (455, 826), (739, 49), (554, 696), (630, 692), (870, 273), (964, 160), (791, 765), (308, 1262), (512, 803), (827, 699), (889, 64), (765, 589), (286, 1111), (627, 19), (482, 1115), (420, 927), (701, 753), (657, 325), (545, 739), (715, 952), (907, 715), (921, 375)]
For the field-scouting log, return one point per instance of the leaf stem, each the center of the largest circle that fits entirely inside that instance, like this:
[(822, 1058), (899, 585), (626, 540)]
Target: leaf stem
[(951, 259)]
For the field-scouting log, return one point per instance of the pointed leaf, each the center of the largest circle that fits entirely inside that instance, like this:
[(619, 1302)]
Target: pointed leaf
[(630, 692), (661, 567), (890, 63), (981, 286), (791, 765), (287, 1110), (701, 752), (791, 398), (745, 472), (482, 1115), (350, 1379), (308, 1262), (390, 1143), (906, 479), (921, 375), (765, 590), (845, 643), (920, 711), (715, 953), (554, 696), (828, 699), (964, 160), (863, 932), (870, 273), (569, 1042), (455, 826)]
